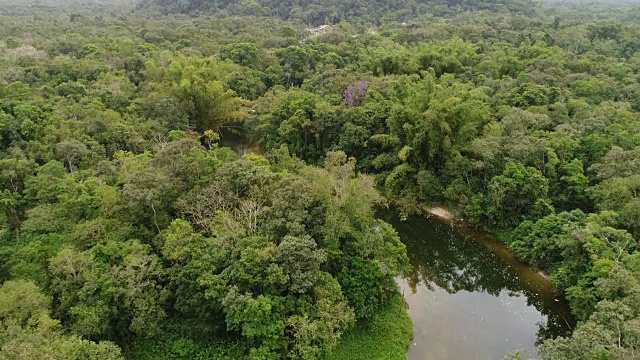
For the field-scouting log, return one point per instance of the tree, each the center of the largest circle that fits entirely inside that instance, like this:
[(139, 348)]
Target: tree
[(520, 191), (301, 261), (27, 330), (197, 85), (151, 190), (245, 54), (295, 62), (571, 190), (113, 289), (366, 286), (70, 152)]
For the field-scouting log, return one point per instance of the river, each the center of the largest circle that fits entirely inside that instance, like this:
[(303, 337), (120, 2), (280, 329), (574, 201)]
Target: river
[(469, 297), (467, 294)]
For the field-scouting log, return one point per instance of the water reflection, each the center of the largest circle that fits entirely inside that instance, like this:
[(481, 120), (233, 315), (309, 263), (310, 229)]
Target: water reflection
[(234, 136), (469, 297)]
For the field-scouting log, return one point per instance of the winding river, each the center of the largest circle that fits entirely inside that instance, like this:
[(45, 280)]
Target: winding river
[(469, 297)]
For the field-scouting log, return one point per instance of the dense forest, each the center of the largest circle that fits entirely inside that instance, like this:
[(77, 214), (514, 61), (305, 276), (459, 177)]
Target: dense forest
[(127, 230)]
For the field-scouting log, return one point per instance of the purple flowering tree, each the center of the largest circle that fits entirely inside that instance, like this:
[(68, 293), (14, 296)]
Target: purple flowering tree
[(355, 92)]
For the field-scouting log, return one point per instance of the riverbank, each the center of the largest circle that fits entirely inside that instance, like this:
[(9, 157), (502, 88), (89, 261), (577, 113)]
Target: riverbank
[(492, 242), (386, 337), (438, 211), (467, 294)]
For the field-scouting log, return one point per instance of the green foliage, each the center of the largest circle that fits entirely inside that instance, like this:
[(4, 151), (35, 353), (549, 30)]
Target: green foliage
[(386, 336), (517, 194), (20, 301), (118, 201), (366, 286), (178, 347), (26, 330)]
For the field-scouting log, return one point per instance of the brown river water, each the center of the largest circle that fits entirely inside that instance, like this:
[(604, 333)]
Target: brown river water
[(468, 295)]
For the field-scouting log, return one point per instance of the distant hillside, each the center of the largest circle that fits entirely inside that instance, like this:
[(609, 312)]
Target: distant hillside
[(26, 7), (315, 12)]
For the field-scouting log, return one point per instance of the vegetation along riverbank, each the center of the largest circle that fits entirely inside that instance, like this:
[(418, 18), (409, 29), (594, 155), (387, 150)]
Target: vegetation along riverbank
[(130, 230)]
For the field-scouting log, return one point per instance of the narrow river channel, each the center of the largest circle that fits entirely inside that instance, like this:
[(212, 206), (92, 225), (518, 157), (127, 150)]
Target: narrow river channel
[(469, 297)]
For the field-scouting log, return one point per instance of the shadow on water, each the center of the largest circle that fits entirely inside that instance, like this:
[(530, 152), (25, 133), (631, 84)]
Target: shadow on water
[(468, 295), (234, 136)]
